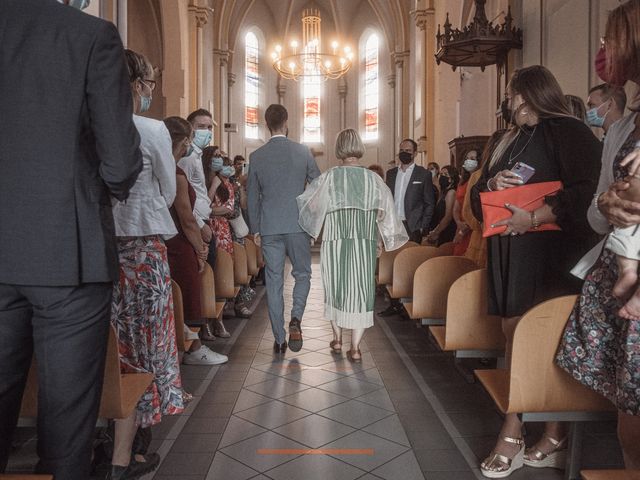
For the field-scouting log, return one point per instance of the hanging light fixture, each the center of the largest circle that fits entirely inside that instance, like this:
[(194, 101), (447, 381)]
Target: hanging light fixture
[(307, 59)]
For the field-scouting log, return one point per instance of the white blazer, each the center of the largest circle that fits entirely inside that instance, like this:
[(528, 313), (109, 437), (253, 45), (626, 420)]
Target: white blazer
[(146, 211)]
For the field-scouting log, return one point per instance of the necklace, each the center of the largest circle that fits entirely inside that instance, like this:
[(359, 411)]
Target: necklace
[(515, 144)]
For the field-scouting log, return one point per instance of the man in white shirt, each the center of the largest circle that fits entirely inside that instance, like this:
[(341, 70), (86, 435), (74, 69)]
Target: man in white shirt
[(412, 189)]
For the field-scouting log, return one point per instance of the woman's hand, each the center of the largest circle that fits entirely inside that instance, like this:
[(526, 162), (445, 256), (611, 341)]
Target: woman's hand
[(433, 236), (462, 230), (200, 265), (618, 212), (519, 223), (632, 162), (505, 179)]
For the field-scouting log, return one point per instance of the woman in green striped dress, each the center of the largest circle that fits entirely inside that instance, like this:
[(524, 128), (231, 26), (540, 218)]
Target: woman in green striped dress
[(356, 208)]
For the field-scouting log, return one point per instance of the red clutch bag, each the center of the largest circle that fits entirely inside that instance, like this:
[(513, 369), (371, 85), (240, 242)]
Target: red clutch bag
[(528, 197)]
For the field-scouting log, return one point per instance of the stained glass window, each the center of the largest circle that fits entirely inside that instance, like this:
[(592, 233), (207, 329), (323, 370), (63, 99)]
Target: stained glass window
[(312, 87), (371, 89), (251, 86)]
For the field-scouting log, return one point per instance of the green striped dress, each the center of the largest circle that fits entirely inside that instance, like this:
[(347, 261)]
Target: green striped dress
[(348, 263)]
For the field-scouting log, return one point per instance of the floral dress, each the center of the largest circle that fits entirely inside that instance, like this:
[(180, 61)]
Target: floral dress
[(219, 224), (142, 313), (599, 348)]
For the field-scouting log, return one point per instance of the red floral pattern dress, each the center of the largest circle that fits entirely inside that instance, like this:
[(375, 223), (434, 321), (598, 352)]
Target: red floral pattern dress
[(219, 224), (142, 313)]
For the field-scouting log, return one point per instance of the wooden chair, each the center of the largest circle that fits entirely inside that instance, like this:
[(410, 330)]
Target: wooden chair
[(470, 331), (178, 315), (431, 285), (385, 264), (240, 266), (610, 474), (120, 391), (211, 307), (404, 268), (446, 249), (252, 256), (536, 388), (224, 276)]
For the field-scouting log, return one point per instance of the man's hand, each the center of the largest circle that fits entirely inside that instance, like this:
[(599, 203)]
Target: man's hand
[(257, 240), (632, 162), (618, 212), (206, 233)]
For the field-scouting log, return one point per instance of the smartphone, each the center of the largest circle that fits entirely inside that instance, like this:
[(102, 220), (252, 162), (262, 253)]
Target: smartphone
[(524, 171)]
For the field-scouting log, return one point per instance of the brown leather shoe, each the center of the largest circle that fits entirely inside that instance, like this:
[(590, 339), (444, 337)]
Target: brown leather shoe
[(295, 335), (279, 347)]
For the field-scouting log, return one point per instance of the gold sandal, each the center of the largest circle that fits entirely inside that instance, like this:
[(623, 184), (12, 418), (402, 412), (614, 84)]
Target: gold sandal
[(554, 459), (333, 344), (499, 466)]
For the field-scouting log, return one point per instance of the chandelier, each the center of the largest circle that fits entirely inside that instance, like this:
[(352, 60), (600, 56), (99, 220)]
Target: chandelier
[(478, 44), (311, 61)]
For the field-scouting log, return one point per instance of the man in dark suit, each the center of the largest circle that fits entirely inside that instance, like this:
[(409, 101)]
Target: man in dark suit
[(67, 145), (412, 189)]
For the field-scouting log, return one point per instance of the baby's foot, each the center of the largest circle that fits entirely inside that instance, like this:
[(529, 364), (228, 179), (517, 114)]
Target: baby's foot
[(631, 309), (627, 279)]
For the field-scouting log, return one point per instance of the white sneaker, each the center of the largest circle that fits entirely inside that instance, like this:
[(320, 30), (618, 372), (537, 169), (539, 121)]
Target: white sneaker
[(204, 356)]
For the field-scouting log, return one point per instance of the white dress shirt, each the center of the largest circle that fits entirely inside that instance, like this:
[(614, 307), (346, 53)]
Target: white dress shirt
[(192, 166), (146, 211), (402, 182)]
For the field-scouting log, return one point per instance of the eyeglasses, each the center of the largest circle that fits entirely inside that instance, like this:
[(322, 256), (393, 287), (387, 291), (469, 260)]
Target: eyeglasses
[(149, 83)]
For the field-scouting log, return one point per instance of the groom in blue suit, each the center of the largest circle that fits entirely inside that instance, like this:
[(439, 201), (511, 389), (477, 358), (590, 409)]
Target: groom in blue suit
[(278, 173)]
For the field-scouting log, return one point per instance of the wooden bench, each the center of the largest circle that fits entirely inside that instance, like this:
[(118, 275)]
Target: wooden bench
[(385, 264), (470, 331), (120, 391), (211, 307), (539, 391), (25, 477), (431, 285), (404, 268), (610, 474), (224, 276), (178, 316), (252, 256), (241, 275)]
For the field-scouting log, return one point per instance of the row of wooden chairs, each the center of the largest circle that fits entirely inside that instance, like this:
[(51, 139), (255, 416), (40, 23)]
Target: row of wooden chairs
[(450, 294)]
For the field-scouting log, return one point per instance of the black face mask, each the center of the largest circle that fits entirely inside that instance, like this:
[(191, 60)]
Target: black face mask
[(444, 182), (507, 113), (405, 157)]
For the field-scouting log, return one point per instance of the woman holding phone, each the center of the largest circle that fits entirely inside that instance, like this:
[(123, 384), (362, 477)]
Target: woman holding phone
[(526, 267)]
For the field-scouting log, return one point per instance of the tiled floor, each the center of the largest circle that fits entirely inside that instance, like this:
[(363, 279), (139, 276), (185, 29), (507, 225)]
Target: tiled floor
[(404, 413)]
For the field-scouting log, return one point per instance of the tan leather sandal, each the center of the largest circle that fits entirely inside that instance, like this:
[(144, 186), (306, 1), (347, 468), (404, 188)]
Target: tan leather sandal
[(556, 458), (333, 347), (500, 466)]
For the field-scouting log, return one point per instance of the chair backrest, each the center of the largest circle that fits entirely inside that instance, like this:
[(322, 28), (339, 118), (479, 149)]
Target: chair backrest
[(223, 273), (110, 404), (178, 315), (240, 267), (469, 326), (536, 383), (446, 249), (404, 268), (252, 256), (432, 282), (385, 263), (260, 257), (208, 292)]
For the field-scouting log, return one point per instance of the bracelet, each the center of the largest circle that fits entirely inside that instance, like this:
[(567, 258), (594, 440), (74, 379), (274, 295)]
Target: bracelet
[(596, 199), (489, 185), (535, 224)]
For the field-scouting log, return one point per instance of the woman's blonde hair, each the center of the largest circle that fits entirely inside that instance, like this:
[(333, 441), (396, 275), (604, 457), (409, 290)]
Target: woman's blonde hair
[(541, 92), (349, 144)]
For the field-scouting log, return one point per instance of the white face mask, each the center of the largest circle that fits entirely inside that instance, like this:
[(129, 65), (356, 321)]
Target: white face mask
[(470, 164), (79, 4)]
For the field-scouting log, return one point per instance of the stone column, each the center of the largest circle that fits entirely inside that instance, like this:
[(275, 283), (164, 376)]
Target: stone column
[(425, 21), (391, 81), (231, 80), (122, 23), (198, 17), (281, 90), (403, 86), (342, 93), (221, 60)]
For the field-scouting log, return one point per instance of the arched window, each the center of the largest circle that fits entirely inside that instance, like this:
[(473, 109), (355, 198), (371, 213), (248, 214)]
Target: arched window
[(371, 87), (311, 89), (251, 86)]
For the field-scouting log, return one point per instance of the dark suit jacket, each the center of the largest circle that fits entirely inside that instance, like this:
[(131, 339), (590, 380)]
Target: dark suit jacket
[(67, 144), (419, 201)]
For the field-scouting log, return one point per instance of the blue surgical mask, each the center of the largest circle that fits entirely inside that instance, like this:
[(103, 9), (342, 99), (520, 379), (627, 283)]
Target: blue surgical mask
[(227, 171), (79, 4), (594, 119), (145, 103), (202, 138), (217, 164)]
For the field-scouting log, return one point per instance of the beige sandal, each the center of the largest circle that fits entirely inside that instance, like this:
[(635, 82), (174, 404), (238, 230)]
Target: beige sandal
[(534, 457), (499, 466)]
